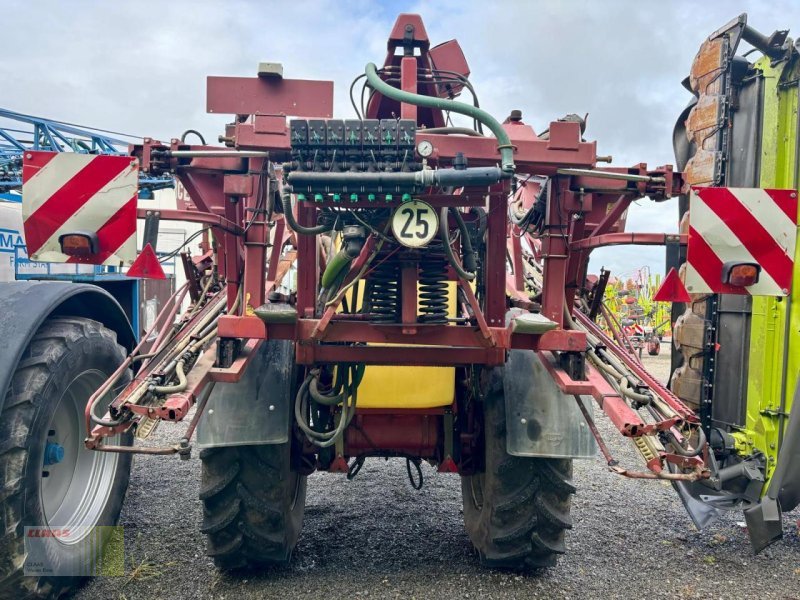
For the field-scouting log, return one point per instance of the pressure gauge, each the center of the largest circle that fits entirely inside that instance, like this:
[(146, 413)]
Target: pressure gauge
[(425, 148)]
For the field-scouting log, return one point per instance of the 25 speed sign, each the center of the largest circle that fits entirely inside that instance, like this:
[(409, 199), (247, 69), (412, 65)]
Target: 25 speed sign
[(414, 224)]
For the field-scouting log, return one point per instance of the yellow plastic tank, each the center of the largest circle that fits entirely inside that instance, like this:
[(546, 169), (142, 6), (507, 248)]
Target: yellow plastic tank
[(409, 387)]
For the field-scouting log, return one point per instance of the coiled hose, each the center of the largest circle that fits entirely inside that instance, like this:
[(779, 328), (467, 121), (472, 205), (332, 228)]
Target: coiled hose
[(349, 378)]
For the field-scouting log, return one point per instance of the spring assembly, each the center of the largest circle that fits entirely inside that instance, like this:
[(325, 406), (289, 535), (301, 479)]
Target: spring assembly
[(382, 294), (433, 300)]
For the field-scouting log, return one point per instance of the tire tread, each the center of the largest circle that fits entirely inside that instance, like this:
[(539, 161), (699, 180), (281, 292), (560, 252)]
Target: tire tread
[(23, 399), (248, 520), (526, 501)]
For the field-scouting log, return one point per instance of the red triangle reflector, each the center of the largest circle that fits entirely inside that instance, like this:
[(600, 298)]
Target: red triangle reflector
[(672, 289), (146, 265), (448, 465)]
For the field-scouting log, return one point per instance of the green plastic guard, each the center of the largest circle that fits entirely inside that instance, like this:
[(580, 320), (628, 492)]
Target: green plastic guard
[(276, 313), (532, 323)]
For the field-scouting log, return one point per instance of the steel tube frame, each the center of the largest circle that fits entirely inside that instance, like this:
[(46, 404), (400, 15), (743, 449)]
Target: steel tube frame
[(584, 206)]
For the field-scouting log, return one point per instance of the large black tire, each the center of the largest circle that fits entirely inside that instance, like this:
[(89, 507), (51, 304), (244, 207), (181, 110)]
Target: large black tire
[(253, 505), (65, 352), (517, 509)]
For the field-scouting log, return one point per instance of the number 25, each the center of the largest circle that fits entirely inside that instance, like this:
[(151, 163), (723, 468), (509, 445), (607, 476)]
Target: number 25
[(421, 223)]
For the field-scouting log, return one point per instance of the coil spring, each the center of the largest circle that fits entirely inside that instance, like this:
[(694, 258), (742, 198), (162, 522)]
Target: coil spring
[(433, 300), (383, 292)]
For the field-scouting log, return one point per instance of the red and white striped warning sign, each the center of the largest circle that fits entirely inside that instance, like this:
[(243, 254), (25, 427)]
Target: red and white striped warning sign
[(741, 225), (70, 193)]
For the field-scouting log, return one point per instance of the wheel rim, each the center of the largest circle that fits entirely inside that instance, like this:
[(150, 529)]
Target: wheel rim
[(74, 490)]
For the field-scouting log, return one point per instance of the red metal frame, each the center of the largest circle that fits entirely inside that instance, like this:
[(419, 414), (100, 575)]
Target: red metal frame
[(564, 249), (252, 254)]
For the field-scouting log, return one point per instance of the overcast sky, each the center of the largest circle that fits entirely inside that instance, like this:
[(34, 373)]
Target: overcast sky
[(139, 67)]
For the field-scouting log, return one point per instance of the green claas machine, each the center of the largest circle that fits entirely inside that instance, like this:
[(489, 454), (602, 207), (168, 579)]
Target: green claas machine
[(737, 357)]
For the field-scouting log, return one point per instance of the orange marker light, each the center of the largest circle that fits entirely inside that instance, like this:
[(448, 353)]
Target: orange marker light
[(78, 244), (740, 274)]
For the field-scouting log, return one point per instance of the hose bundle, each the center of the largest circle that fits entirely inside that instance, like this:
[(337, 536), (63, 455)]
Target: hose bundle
[(344, 392)]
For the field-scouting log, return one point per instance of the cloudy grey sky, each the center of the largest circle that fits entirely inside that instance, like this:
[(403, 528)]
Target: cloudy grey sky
[(140, 66)]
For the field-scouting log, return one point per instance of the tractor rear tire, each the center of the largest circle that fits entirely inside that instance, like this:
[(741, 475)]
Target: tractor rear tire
[(253, 504), (516, 510), (48, 480)]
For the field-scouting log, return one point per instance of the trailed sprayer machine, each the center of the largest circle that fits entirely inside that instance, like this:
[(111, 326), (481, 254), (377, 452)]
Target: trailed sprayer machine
[(387, 285)]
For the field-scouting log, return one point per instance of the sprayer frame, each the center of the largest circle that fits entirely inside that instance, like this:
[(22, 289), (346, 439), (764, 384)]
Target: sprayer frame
[(585, 209)]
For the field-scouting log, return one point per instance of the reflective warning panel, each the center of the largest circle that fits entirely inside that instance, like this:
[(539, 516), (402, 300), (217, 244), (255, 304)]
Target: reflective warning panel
[(82, 203), (734, 226)]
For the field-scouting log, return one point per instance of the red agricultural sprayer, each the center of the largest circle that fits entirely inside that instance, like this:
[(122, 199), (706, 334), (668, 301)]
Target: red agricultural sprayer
[(389, 285)]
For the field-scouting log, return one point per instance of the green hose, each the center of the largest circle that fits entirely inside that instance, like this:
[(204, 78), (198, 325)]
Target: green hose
[(504, 143), (339, 261)]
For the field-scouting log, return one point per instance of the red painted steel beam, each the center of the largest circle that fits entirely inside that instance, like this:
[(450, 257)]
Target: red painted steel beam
[(576, 263), (307, 262), (234, 373), (269, 96), (192, 216), (554, 257), (494, 267), (634, 238), (613, 215), (543, 157), (255, 249), (514, 249), (440, 335), (205, 189), (408, 83), (420, 356), (445, 336), (487, 338), (231, 326), (562, 340), (233, 261), (408, 299), (625, 419)]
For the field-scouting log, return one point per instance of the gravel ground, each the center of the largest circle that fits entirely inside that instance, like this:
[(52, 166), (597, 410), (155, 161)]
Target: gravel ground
[(376, 537)]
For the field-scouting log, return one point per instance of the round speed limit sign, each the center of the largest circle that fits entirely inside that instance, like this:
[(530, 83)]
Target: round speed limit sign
[(415, 223)]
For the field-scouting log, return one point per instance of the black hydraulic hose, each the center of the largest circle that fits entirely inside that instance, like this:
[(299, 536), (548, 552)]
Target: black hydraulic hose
[(468, 252), (288, 213), (480, 214), (417, 485), (195, 132), (106, 422), (444, 232)]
